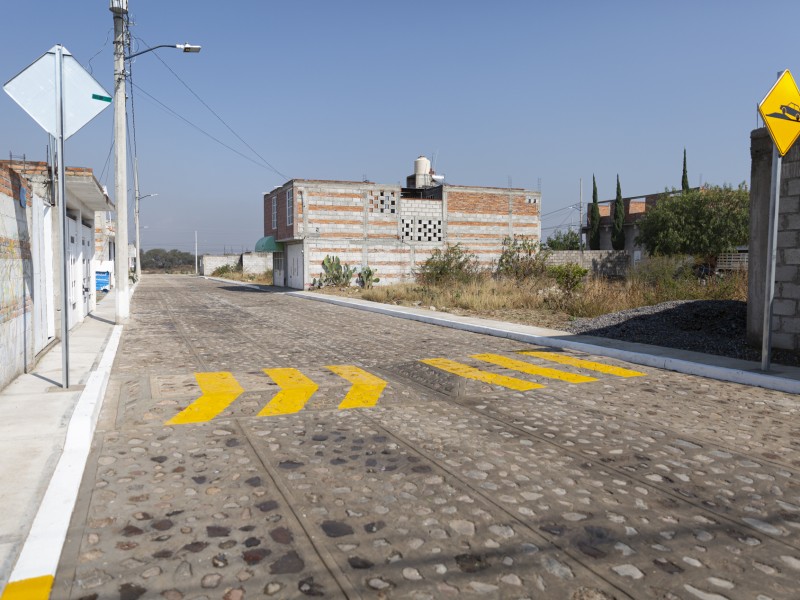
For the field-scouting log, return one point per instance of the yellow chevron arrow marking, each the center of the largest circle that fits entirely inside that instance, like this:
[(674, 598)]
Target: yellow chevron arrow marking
[(461, 370), (584, 364), (366, 388), (296, 389), (219, 391), (36, 588), (528, 368)]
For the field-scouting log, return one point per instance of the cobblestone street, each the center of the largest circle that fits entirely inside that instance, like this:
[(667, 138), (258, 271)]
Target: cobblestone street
[(257, 445)]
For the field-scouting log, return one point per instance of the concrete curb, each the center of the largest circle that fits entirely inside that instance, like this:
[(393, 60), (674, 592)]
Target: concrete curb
[(655, 356), (659, 358), (34, 571)]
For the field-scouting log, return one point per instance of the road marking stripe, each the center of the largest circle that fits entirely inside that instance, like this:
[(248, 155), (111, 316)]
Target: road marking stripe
[(468, 372), (528, 368), (561, 359), (366, 388), (296, 389), (36, 588), (219, 391)]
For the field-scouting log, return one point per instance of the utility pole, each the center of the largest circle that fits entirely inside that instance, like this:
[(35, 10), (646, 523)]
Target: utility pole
[(136, 199), (196, 272), (580, 221), (120, 8)]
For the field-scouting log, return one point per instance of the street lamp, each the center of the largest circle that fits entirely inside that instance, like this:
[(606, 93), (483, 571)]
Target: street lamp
[(136, 227), (119, 8)]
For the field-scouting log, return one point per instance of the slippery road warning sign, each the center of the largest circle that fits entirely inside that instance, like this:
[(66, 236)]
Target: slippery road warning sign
[(780, 110)]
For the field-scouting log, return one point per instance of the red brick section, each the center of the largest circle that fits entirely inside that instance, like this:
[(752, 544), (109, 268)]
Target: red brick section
[(488, 203), (11, 183)]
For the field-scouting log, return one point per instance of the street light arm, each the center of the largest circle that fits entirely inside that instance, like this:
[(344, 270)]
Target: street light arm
[(184, 47)]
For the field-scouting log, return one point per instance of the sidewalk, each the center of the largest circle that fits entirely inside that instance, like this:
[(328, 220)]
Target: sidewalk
[(35, 416)]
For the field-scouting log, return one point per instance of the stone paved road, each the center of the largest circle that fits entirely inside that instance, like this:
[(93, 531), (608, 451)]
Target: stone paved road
[(659, 486)]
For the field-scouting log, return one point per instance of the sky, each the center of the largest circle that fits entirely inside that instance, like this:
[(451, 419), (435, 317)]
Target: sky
[(544, 94)]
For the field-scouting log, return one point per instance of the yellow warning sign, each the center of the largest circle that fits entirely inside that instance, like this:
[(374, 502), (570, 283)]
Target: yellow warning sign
[(780, 110)]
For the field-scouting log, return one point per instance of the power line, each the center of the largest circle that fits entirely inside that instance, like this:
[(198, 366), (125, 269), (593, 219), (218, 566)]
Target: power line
[(213, 112), (221, 120), (204, 132)]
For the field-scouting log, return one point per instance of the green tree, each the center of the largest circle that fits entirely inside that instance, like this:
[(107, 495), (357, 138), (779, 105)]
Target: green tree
[(563, 240), (594, 219), (703, 222), (158, 258), (685, 178), (618, 229)]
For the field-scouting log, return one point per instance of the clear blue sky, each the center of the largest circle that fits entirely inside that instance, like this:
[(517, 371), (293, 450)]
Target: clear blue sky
[(555, 91)]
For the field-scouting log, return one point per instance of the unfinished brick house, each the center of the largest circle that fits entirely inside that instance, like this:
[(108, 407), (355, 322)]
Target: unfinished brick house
[(388, 227)]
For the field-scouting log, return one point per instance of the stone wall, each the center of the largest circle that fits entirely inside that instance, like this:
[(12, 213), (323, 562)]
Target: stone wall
[(608, 263), (786, 307)]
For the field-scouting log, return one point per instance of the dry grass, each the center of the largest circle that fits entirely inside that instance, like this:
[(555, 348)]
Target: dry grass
[(538, 301), (258, 278)]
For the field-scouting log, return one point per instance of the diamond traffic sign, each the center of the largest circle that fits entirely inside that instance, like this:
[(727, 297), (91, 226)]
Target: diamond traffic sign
[(34, 89), (780, 110)]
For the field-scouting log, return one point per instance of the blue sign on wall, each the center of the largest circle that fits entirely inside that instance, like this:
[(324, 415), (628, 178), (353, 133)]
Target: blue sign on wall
[(102, 280), (23, 199)]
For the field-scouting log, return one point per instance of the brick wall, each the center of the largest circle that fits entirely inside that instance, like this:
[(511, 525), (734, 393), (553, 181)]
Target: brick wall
[(16, 275), (607, 263), (786, 307)]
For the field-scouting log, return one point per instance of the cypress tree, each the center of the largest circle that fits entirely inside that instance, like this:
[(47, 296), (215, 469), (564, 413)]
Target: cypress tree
[(594, 219), (618, 229), (685, 178)]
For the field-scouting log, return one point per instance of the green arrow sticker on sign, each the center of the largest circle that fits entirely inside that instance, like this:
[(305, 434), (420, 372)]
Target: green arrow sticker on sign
[(99, 97)]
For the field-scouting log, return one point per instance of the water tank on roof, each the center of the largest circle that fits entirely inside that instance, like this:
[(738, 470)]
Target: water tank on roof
[(422, 166)]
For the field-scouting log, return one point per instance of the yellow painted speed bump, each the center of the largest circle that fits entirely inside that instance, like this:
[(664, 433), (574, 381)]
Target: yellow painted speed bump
[(366, 388), (562, 359), (296, 389), (529, 369), (468, 372), (219, 391)]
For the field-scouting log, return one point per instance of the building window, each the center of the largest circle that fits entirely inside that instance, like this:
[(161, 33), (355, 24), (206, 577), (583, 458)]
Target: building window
[(274, 212), (289, 207)]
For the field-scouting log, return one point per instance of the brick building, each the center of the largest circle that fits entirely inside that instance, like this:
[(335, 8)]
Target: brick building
[(388, 227)]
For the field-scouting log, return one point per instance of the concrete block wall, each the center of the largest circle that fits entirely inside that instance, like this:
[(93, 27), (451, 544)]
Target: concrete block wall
[(257, 262), (786, 307), (211, 262), (16, 278), (606, 263)]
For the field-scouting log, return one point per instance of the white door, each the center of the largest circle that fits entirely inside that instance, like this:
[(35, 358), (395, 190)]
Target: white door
[(73, 271), (294, 265), (42, 251), (87, 252)]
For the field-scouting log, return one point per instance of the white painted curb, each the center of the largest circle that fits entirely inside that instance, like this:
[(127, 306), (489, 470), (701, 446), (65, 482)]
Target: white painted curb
[(42, 549), (763, 380)]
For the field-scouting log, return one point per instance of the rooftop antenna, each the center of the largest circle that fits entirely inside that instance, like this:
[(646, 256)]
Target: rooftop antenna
[(434, 156), (539, 185)]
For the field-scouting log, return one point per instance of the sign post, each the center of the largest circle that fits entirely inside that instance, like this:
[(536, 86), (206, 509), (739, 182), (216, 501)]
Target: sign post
[(62, 97), (780, 110)]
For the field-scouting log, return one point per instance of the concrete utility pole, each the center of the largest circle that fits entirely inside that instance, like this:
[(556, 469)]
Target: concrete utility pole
[(120, 8), (136, 199), (580, 219)]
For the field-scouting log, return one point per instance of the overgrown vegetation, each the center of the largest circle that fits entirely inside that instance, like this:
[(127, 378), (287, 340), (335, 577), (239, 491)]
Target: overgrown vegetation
[(564, 240), (702, 222), (225, 270), (449, 266), (167, 261), (522, 258)]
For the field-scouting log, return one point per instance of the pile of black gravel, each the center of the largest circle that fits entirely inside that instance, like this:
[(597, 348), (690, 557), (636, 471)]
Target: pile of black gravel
[(709, 326)]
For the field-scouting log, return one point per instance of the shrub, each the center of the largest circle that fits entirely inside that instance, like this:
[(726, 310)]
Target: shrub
[(226, 270), (569, 277), (521, 258), (451, 265)]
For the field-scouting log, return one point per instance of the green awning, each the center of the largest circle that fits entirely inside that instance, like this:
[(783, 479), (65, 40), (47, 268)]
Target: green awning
[(268, 244)]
